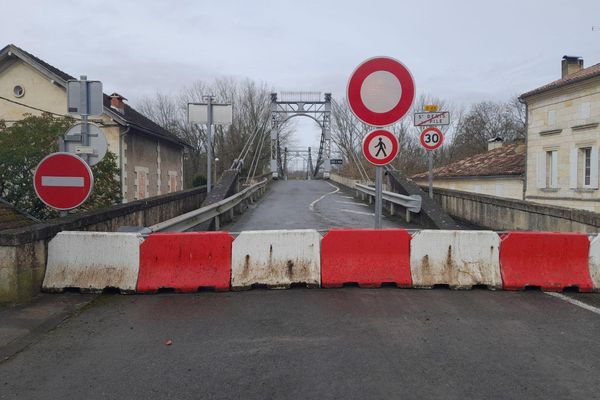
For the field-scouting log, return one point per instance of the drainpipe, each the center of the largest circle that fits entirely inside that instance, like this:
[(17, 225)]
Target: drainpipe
[(121, 143), (526, 144)]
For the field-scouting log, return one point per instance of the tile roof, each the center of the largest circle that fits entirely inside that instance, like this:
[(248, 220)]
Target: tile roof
[(11, 218), (506, 160), (581, 75), (130, 115)]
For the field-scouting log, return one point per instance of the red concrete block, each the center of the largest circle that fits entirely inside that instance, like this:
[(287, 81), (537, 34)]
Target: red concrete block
[(365, 256), (552, 261), (185, 262)]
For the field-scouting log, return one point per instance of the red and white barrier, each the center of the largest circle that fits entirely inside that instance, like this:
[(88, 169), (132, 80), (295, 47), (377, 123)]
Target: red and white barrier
[(185, 262), (459, 259), (93, 261), (367, 257), (551, 261), (594, 263), (276, 259)]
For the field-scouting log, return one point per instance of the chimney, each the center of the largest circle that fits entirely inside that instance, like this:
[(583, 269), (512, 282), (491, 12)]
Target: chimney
[(495, 143), (571, 64), (116, 102)]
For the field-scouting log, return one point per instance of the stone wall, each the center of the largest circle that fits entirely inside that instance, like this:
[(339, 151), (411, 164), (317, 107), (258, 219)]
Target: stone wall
[(509, 214), (23, 250)]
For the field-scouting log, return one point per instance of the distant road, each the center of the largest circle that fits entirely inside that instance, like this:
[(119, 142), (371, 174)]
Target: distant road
[(316, 204)]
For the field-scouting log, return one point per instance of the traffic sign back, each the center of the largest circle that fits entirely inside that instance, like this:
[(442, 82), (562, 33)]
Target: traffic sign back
[(63, 181)]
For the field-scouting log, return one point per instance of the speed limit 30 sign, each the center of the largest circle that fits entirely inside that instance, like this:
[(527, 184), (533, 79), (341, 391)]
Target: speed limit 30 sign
[(431, 138)]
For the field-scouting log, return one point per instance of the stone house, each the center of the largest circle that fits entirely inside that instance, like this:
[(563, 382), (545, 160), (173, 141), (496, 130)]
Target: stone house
[(150, 158), (497, 172), (562, 138)]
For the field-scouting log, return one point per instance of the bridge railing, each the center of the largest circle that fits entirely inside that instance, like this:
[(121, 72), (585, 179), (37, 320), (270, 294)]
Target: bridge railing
[(214, 211), (412, 204)]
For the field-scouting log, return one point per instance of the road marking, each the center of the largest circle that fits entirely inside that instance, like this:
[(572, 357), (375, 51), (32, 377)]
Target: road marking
[(353, 203), (357, 212), (67, 181), (574, 302), (311, 207)]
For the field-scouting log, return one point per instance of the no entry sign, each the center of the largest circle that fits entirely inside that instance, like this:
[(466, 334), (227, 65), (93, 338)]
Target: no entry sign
[(63, 181), (380, 147), (380, 91), (431, 138)]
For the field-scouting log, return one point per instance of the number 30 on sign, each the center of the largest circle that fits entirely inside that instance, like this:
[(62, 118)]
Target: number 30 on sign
[(432, 138)]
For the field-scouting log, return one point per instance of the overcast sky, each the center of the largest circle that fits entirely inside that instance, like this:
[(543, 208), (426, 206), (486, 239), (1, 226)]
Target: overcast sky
[(464, 51)]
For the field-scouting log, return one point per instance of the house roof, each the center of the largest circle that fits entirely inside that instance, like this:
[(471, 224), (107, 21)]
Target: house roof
[(129, 116), (506, 160), (581, 75), (11, 218)]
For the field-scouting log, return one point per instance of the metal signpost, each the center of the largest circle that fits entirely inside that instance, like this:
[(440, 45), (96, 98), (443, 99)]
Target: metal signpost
[(209, 113), (380, 92), (85, 98), (431, 139)]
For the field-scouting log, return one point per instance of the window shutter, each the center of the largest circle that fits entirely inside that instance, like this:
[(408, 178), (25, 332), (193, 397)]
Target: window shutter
[(573, 169), (541, 170), (594, 168), (554, 183)]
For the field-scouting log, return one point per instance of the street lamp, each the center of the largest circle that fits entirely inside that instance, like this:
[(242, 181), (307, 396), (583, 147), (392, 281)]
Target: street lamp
[(216, 167)]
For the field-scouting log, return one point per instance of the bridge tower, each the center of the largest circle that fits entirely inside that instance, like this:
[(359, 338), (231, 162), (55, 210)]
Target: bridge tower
[(296, 104)]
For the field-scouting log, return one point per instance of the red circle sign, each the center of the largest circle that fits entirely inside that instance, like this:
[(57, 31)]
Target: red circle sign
[(380, 147), (380, 91), (63, 181), (431, 138)]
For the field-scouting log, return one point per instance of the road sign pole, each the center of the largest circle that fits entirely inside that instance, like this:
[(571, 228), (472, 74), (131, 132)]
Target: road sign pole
[(84, 98), (430, 162), (209, 155), (378, 191)]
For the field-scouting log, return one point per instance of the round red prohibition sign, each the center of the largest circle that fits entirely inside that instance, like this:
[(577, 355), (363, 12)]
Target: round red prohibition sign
[(63, 181), (380, 147), (380, 91), (431, 138)]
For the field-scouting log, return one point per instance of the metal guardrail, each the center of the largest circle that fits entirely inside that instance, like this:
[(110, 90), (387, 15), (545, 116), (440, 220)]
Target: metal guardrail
[(411, 203), (188, 220)]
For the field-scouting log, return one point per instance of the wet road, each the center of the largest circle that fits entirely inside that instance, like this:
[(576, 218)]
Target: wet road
[(315, 204), (304, 344)]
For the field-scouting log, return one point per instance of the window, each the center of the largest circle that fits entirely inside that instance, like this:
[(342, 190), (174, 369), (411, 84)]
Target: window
[(584, 168), (172, 181), (141, 183), (587, 162), (19, 91), (547, 170), (552, 118)]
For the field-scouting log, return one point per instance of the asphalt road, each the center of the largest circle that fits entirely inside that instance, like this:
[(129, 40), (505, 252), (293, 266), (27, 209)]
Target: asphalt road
[(315, 204), (316, 343)]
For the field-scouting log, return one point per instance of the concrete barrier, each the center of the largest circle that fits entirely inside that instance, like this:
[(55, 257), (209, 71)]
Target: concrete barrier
[(551, 261), (93, 261), (594, 263), (276, 259), (367, 257), (459, 259), (185, 262)]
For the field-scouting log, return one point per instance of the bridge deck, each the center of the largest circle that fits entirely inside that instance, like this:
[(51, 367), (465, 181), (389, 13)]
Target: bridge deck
[(315, 204)]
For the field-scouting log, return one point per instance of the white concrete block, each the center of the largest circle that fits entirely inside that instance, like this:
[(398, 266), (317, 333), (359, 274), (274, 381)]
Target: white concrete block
[(594, 263), (93, 261), (459, 259), (276, 258)]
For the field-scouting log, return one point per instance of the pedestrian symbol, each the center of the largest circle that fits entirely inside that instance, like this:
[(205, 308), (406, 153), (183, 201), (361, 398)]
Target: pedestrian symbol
[(381, 146)]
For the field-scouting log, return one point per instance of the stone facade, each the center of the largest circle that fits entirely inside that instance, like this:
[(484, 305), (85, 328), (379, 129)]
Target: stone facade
[(563, 135)]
